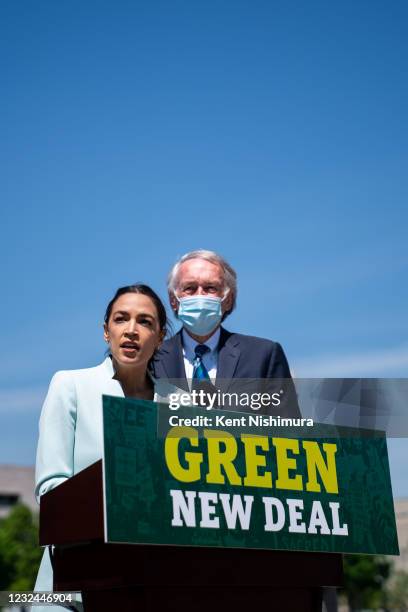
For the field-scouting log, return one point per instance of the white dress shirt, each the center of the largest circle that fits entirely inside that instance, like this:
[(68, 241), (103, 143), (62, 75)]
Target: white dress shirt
[(210, 359)]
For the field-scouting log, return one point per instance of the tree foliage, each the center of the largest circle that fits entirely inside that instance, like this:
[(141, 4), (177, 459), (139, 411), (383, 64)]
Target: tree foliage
[(20, 553), (364, 579)]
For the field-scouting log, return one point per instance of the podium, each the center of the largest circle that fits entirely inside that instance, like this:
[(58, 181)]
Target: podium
[(136, 577)]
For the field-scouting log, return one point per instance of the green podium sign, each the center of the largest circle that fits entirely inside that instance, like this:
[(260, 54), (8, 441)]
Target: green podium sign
[(197, 483)]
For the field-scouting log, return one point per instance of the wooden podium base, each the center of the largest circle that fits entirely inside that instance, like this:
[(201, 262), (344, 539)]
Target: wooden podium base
[(146, 578), (204, 599), (149, 578)]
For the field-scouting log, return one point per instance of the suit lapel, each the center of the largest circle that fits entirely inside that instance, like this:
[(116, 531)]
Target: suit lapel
[(228, 356), (169, 361)]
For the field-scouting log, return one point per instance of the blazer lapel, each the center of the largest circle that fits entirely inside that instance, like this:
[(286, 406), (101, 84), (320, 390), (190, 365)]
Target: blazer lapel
[(228, 356), (169, 362)]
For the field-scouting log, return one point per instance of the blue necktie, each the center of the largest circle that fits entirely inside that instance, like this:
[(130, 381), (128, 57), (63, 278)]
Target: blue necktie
[(201, 380), (200, 372)]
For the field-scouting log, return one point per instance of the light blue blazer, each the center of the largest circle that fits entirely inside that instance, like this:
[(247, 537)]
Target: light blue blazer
[(71, 434)]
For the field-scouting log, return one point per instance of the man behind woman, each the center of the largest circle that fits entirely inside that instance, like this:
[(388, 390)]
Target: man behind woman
[(202, 291)]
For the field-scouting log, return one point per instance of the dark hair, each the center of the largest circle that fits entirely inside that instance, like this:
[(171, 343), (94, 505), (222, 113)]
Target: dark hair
[(143, 290)]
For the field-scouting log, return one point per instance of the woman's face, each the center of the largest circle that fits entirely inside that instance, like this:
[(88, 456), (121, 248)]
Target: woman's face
[(133, 330)]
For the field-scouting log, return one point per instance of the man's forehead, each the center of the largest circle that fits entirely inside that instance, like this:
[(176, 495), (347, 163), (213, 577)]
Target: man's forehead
[(199, 269)]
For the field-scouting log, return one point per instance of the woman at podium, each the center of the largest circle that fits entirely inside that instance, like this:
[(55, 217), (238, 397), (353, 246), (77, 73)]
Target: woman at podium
[(71, 429)]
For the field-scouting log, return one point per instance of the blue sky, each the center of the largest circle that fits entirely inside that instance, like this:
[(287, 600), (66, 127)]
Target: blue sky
[(272, 132)]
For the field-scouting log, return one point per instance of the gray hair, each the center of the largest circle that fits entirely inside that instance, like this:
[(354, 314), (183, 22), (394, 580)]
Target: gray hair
[(230, 276)]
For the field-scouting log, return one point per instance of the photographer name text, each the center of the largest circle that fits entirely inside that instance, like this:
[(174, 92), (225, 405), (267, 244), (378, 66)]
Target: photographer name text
[(246, 420)]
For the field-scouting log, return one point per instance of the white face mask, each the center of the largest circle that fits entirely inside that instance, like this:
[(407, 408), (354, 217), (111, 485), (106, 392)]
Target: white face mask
[(200, 314)]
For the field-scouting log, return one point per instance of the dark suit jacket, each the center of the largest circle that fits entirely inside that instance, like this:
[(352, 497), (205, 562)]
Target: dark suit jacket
[(239, 357)]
